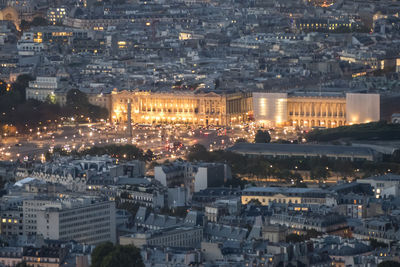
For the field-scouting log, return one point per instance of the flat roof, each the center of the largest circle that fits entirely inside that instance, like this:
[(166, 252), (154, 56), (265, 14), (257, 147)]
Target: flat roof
[(386, 177), (285, 190), (301, 149)]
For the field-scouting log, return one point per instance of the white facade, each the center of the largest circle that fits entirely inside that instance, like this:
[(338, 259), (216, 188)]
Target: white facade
[(270, 108), (362, 108), (29, 46), (177, 197), (384, 186), (30, 210), (41, 88), (86, 223), (195, 177), (209, 175)]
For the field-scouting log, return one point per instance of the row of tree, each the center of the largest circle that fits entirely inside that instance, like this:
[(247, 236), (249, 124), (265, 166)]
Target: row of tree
[(122, 152), (27, 114), (381, 130), (107, 254), (319, 168)]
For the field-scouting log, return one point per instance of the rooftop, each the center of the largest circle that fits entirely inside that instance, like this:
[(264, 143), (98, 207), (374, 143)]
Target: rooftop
[(303, 149)]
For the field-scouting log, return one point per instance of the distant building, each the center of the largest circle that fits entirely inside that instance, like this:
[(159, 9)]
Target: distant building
[(57, 34), (84, 222), (323, 25), (342, 251), (379, 228), (26, 46), (12, 222), (183, 237), (11, 256), (274, 233), (177, 197), (196, 176), (300, 223), (76, 219), (143, 193), (42, 88), (44, 256), (148, 220), (274, 150), (384, 186), (359, 206), (199, 108), (313, 109), (209, 195), (56, 15), (222, 207), (288, 195)]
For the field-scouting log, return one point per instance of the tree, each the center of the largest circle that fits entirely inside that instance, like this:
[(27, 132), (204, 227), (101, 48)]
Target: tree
[(198, 152), (319, 173), (293, 238), (100, 252), (123, 256), (77, 99), (376, 244), (39, 21), (241, 140), (153, 164), (262, 137), (254, 202), (132, 208), (106, 254), (2, 182), (21, 264), (149, 155), (79, 106), (389, 264), (127, 152), (396, 156)]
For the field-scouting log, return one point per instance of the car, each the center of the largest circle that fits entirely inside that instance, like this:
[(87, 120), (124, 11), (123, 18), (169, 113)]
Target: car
[(18, 144)]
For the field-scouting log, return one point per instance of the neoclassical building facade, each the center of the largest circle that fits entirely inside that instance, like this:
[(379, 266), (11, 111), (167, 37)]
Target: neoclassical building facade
[(326, 110), (312, 109), (198, 108), (317, 111)]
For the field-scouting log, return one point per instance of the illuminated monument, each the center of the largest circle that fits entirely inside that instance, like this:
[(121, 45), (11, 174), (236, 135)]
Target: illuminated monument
[(11, 14), (310, 109), (198, 108), (314, 109)]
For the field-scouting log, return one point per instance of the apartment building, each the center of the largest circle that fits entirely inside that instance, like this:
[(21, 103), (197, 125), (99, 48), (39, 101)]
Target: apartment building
[(84, 221)]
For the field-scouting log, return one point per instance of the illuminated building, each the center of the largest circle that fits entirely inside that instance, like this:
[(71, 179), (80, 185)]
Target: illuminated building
[(288, 195), (327, 110), (88, 46), (42, 88), (197, 108), (56, 15), (11, 222), (316, 24), (322, 3), (55, 34), (11, 14), (303, 151)]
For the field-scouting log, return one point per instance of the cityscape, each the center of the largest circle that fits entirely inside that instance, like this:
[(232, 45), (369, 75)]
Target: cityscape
[(176, 133)]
